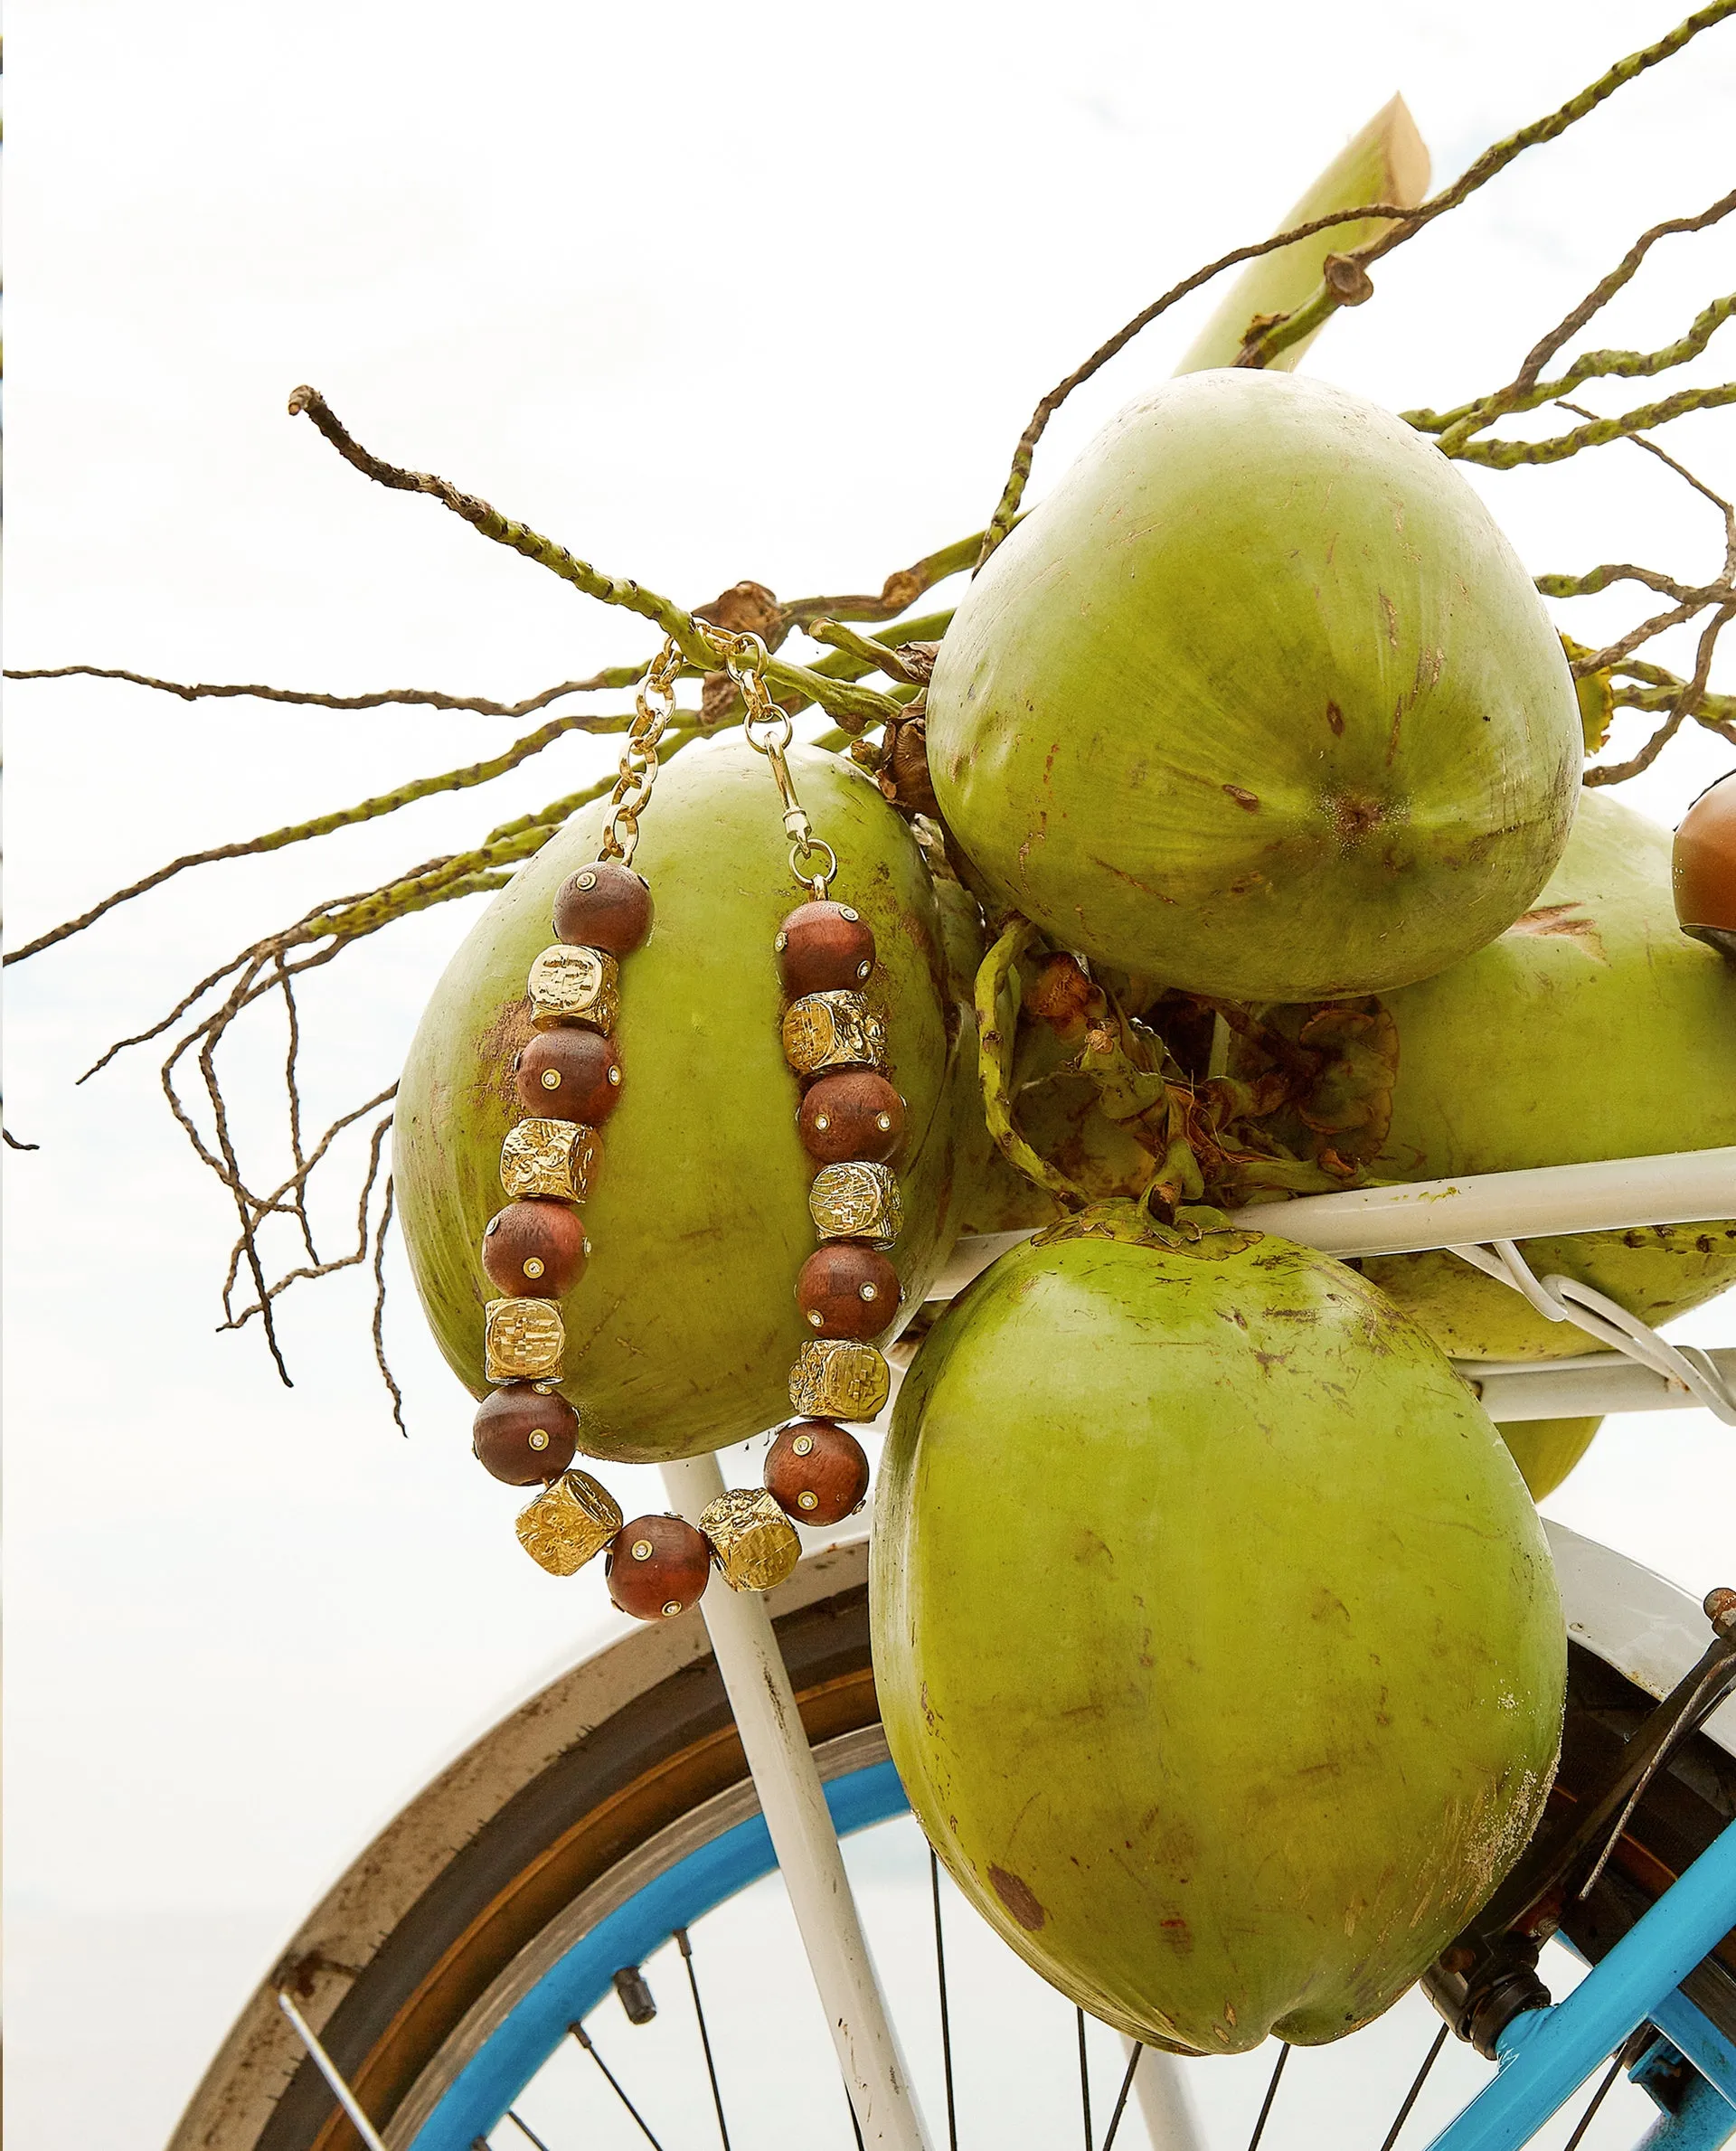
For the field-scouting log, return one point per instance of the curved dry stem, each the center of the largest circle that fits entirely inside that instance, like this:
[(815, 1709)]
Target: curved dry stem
[(871, 655), (995, 1042), (431, 698), (900, 591), (1456, 427), (839, 698), (380, 1359), (345, 818), (1508, 455), (1684, 706), (1274, 337), (1012, 493), (1613, 572)]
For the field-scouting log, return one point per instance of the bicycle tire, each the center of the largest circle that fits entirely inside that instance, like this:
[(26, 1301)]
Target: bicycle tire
[(668, 1746)]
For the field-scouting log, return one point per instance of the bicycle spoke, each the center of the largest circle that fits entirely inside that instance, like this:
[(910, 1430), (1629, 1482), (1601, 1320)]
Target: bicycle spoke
[(1411, 2097), (684, 1945), (946, 2020), (1598, 2097), (590, 2045), (1084, 2080), (1271, 2093), (524, 2128), (1121, 2097)]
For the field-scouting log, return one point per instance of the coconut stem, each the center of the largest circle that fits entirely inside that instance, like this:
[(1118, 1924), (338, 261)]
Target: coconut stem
[(994, 1040), (839, 698), (1276, 337)]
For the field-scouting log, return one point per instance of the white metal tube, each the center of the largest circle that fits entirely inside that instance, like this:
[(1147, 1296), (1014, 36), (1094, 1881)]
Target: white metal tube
[(1600, 1382), (1165, 2104), (1680, 1187), (795, 1813)]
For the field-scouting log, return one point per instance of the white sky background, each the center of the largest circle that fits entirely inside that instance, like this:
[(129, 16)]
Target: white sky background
[(766, 291)]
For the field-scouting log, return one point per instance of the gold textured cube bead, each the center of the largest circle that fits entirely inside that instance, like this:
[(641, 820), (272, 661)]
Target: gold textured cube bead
[(752, 1541), (524, 1340), (837, 1378), (569, 1524), (548, 1158), (857, 1201), (575, 985), (832, 1030)]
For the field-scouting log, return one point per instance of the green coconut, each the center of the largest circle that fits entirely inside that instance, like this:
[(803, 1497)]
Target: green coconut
[(682, 1331), (1593, 1028), (1259, 702), (1547, 1450), (1217, 1641)]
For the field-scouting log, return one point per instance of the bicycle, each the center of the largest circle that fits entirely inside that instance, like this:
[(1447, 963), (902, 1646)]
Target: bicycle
[(614, 1815)]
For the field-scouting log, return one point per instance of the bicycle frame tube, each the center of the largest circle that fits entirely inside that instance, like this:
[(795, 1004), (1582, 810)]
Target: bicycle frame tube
[(1546, 2054), (795, 1808)]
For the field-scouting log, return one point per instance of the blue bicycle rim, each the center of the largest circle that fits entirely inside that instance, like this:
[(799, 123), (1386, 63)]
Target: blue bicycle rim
[(522, 2042)]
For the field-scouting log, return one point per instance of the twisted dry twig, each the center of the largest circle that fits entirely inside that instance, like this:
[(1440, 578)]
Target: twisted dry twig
[(1346, 281)]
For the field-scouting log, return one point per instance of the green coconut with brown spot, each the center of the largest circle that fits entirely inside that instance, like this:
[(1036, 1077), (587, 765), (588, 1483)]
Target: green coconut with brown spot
[(1593, 1028), (1217, 1641), (682, 1329), (1259, 702)]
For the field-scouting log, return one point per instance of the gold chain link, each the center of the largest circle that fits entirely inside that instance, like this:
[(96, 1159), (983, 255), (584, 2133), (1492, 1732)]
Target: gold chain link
[(639, 758), (769, 731)]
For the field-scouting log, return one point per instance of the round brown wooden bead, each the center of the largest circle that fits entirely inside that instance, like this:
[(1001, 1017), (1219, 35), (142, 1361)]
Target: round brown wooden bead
[(824, 947), (534, 1250), (571, 1075), (525, 1433), (847, 1290), (656, 1567), (1704, 867), (816, 1471), (604, 906), (857, 1114)]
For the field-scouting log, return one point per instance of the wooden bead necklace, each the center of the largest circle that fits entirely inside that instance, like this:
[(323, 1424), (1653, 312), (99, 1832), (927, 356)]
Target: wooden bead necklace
[(851, 1123)]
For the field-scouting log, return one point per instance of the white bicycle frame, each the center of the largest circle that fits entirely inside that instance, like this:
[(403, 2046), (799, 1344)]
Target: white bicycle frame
[(1681, 1188)]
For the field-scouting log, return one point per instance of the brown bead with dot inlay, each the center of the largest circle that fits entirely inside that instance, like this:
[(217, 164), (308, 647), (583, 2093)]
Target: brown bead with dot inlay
[(854, 1115), (656, 1567), (847, 1290), (571, 1075), (816, 1471), (824, 947), (604, 906), (534, 1250), (525, 1433)]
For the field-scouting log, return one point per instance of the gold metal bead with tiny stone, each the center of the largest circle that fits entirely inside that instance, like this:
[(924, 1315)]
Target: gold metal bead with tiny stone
[(575, 985), (839, 1378), (548, 1158), (569, 1524), (832, 1030), (752, 1539), (857, 1201), (524, 1340)]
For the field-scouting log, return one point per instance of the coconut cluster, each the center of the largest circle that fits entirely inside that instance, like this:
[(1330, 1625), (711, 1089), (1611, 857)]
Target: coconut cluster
[(1216, 1636)]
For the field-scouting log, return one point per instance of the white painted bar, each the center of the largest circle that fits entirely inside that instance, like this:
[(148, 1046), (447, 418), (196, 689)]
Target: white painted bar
[(1166, 2105), (800, 1823), (1680, 1188), (1597, 1381), (1677, 1188)]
